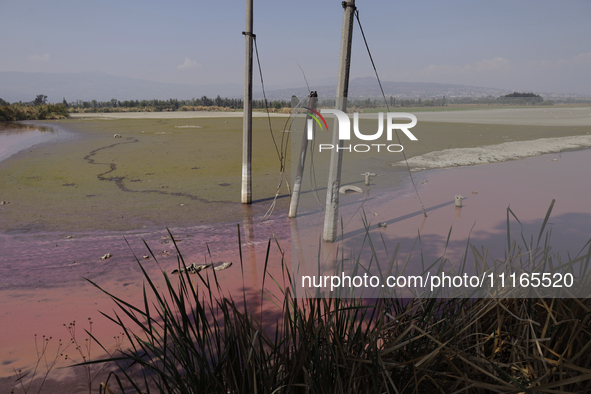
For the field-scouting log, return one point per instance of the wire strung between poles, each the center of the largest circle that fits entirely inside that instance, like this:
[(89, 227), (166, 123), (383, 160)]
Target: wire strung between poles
[(265, 98), (281, 152), (286, 127), (388, 107)]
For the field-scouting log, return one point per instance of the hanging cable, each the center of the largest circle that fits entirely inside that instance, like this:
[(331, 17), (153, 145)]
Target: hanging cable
[(388, 107), (265, 96), (284, 155), (282, 150)]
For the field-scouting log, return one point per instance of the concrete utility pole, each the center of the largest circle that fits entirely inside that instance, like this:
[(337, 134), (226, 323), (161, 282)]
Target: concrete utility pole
[(331, 216), (246, 197), (297, 186)]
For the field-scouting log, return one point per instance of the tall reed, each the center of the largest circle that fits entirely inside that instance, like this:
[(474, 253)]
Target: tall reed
[(187, 337)]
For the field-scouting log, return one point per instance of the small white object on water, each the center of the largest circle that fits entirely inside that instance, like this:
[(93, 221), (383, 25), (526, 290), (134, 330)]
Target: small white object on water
[(382, 225), (2, 202), (107, 256), (368, 176), (350, 188), (117, 136), (222, 266), (459, 200)]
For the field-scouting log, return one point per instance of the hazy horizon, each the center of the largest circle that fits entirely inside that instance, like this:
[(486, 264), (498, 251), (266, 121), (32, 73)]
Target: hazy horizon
[(523, 46)]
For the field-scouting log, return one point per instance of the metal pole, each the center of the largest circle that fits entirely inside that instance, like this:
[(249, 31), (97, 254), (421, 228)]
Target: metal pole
[(297, 186), (246, 196), (336, 158)]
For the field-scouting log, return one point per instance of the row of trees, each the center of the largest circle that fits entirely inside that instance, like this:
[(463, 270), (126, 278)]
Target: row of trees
[(392, 102), (173, 104), (32, 110)]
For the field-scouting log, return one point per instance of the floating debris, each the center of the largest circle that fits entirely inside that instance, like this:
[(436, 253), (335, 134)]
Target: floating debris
[(382, 224), (474, 192), (146, 257), (423, 182), (69, 237), (107, 256), (222, 266), (3, 202), (117, 136), (191, 269), (350, 188), (194, 268), (176, 237), (375, 214)]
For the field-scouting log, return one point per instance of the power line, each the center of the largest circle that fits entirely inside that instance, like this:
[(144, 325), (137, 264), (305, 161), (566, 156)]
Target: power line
[(388, 107)]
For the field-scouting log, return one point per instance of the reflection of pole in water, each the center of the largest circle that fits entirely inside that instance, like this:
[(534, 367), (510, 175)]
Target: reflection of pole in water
[(249, 256), (311, 256), (418, 236), (296, 244), (457, 213)]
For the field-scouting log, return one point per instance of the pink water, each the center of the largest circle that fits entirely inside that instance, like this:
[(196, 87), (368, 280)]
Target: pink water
[(526, 186), (41, 274)]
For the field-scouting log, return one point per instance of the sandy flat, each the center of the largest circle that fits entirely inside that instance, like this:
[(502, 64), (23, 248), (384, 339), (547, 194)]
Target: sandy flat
[(580, 116), (560, 118), (496, 153), (514, 116)]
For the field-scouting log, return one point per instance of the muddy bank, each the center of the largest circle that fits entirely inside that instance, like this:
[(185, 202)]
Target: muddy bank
[(160, 172), (186, 172)]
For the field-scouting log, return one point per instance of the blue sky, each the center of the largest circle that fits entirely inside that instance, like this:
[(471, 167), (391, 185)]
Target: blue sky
[(519, 44)]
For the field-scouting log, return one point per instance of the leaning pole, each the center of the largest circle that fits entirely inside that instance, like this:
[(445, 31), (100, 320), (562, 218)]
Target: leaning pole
[(336, 158), (297, 184), (246, 196)]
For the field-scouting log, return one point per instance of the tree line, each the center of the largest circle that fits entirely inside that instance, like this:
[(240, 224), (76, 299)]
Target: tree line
[(175, 104), (33, 110)]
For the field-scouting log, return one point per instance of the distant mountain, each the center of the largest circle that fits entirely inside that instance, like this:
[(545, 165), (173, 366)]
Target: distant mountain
[(369, 87), (23, 86)]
